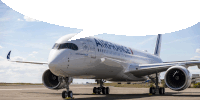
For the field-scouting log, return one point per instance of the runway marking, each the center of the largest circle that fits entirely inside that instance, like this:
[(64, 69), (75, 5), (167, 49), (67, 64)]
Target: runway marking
[(38, 88), (24, 89), (81, 87)]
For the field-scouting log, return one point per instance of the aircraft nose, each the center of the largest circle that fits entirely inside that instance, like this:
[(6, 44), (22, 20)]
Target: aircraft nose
[(54, 64), (53, 60)]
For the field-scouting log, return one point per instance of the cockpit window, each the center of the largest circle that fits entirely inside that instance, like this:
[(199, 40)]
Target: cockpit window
[(65, 46), (56, 45), (68, 46)]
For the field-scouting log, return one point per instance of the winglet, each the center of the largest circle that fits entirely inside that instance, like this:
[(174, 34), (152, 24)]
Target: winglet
[(8, 56)]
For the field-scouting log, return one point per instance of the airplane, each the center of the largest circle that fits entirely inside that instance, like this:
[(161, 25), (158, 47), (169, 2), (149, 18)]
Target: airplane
[(94, 58)]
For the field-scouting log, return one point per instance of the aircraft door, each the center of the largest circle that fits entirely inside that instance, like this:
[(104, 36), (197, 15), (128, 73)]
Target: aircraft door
[(92, 51)]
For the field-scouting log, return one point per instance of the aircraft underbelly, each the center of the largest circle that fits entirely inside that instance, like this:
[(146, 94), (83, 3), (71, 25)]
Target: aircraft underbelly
[(90, 68), (102, 71)]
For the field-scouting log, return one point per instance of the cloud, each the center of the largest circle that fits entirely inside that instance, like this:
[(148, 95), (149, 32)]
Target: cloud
[(20, 72), (38, 46), (19, 19), (12, 21), (1, 71), (194, 70), (28, 19), (12, 44), (195, 57), (18, 58), (183, 39), (2, 58), (33, 53), (197, 50), (149, 39), (4, 19), (66, 37), (1, 47)]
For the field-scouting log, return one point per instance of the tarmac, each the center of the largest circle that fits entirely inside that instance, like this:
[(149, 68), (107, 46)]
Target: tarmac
[(84, 92)]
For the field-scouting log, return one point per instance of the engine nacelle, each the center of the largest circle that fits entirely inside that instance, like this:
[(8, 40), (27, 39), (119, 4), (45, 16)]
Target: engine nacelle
[(178, 78), (52, 81)]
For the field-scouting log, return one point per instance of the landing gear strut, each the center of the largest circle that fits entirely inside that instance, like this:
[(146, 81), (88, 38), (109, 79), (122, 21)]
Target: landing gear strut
[(157, 89), (104, 90), (67, 93)]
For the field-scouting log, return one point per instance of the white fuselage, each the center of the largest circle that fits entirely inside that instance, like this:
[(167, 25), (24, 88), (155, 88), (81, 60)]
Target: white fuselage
[(85, 62)]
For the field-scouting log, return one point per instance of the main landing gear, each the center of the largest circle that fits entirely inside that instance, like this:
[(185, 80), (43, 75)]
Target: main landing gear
[(104, 90), (157, 89), (67, 93)]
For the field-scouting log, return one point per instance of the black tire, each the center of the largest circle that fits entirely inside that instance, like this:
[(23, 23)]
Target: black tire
[(64, 94), (94, 90), (99, 90), (150, 90), (128, 82), (163, 90), (70, 94), (104, 90), (107, 90), (160, 91), (153, 90)]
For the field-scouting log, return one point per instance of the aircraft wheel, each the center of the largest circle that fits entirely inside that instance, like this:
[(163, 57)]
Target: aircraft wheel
[(107, 90), (153, 90), (64, 94), (95, 90), (104, 90), (99, 90), (150, 90), (161, 90), (70, 94)]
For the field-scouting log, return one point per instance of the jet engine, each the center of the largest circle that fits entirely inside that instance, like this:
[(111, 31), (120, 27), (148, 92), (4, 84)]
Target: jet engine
[(52, 81), (178, 78)]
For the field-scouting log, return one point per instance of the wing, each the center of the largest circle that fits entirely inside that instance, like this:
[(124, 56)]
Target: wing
[(147, 69), (114, 62), (8, 57)]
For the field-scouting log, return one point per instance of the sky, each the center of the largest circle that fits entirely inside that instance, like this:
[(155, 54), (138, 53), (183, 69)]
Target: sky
[(32, 40)]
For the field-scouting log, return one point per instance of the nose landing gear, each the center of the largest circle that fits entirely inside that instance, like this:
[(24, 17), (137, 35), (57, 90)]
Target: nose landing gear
[(67, 94), (104, 90)]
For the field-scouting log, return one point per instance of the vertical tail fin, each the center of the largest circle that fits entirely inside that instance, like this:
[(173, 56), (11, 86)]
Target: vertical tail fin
[(158, 45)]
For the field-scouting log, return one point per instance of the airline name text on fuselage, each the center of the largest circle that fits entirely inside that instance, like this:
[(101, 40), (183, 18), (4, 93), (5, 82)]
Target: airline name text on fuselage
[(109, 45)]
